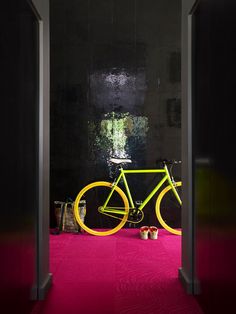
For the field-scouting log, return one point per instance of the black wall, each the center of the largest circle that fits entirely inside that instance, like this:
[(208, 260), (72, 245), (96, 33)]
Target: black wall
[(19, 156), (115, 67), (214, 129)]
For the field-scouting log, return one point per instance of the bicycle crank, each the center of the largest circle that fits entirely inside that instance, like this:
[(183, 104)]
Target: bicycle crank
[(135, 216)]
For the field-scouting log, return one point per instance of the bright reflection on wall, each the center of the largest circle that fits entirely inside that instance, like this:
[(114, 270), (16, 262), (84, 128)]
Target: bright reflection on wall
[(118, 87), (119, 79), (115, 134), (116, 127)]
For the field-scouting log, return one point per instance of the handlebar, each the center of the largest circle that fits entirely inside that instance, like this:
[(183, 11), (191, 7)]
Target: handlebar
[(168, 162)]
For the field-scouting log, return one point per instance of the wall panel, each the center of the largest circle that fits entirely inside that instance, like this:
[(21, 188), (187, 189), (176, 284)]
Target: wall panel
[(112, 61), (214, 155)]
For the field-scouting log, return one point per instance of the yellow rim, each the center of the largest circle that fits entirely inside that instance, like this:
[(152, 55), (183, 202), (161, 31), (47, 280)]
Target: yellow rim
[(80, 196), (158, 212)]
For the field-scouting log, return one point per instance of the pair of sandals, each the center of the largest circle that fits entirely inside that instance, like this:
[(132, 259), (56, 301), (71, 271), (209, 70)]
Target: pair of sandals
[(146, 231)]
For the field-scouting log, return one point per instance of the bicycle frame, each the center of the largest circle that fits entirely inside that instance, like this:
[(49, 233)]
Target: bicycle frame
[(122, 174)]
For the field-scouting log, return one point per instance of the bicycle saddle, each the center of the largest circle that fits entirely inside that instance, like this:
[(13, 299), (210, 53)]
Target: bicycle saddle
[(120, 160)]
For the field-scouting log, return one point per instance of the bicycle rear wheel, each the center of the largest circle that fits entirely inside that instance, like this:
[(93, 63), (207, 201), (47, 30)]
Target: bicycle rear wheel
[(168, 209), (97, 222)]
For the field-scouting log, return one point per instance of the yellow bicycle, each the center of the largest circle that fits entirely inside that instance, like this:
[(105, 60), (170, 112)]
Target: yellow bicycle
[(108, 208)]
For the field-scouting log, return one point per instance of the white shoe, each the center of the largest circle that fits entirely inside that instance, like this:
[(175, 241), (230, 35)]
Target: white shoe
[(153, 232), (144, 232)]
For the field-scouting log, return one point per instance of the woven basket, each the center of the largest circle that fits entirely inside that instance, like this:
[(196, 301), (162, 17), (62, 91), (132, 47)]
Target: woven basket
[(69, 223)]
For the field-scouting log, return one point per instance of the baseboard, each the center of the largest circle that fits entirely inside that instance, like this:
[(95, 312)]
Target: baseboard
[(43, 289), (190, 286)]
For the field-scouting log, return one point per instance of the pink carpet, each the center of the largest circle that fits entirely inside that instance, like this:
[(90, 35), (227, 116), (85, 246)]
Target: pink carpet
[(118, 274)]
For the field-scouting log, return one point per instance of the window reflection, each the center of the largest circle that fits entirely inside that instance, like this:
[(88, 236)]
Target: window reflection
[(115, 134)]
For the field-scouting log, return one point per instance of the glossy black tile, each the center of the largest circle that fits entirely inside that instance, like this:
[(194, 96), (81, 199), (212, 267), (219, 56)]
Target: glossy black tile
[(113, 73)]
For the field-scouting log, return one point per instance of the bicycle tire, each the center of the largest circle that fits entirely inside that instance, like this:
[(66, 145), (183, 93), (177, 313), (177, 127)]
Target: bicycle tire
[(94, 199), (168, 199)]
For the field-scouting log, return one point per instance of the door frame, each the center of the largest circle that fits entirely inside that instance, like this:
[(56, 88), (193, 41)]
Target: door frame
[(187, 270), (43, 277), (187, 273)]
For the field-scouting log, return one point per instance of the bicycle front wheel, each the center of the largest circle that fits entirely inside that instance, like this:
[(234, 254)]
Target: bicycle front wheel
[(168, 209), (97, 221)]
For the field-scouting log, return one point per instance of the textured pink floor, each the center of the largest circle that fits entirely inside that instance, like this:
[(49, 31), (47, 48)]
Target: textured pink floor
[(118, 274)]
